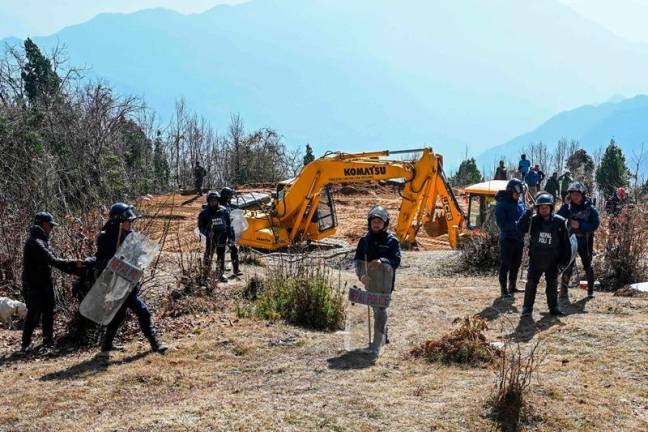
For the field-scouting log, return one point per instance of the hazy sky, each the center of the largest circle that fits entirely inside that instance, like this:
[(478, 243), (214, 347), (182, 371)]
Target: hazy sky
[(20, 18)]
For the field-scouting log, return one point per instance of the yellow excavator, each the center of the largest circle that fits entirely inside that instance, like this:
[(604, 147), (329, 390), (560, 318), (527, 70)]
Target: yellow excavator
[(303, 208)]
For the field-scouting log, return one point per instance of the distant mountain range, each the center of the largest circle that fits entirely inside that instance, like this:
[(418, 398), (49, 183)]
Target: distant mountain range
[(593, 126), (365, 74)]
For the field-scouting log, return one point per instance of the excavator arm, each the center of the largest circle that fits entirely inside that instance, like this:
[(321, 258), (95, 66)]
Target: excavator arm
[(294, 209)]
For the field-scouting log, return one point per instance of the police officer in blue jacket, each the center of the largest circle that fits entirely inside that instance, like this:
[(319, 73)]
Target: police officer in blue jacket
[(508, 210), (549, 248), (113, 234), (583, 220), (214, 223)]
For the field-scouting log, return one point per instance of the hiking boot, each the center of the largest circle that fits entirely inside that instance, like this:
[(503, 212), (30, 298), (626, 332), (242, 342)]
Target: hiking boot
[(222, 278), (590, 295), (513, 289), (48, 343), (158, 347), (556, 312), (506, 295), (26, 349), (527, 311)]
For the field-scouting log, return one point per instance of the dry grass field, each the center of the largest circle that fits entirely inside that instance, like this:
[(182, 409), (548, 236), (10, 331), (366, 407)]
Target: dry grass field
[(229, 373)]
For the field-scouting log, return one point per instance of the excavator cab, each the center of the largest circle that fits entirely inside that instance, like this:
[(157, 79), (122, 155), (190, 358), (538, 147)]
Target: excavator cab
[(481, 203), (325, 214)]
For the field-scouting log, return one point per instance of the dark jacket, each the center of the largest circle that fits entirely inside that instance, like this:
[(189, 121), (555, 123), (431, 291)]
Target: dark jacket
[(507, 214), (500, 173), (107, 244), (38, 256), (199, 172), (615, 204), (553, 186), (549, 244), (215, 221), (383, 246), (586, 214)]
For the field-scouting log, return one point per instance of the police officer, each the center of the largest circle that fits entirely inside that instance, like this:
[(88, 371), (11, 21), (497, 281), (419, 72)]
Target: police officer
[(114, 232), (378, 245), (37, 284), (214, 224), (508, 210), (226, 195), (549, 247), (583, 220)]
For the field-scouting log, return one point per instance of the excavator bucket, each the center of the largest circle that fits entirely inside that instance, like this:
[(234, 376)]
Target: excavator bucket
[(436, 227)]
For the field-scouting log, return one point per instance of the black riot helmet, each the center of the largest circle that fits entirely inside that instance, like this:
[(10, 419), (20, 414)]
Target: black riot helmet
[(122, 212), (226, 194), (544, 198), (514, 185)]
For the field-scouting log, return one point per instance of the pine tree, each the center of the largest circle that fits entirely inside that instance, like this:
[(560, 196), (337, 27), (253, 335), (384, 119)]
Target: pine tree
[(612, 173), (309, 156), (581, 166), (40, 80), (467, 174)]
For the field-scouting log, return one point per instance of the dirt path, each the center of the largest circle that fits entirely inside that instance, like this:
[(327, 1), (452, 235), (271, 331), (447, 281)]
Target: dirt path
[(243, 374)]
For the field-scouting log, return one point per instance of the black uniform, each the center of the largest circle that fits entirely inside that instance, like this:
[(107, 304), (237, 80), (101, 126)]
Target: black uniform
[(106, 247), (549, 248), (588, 217), (37, 285), (232, 244), (215, 225)]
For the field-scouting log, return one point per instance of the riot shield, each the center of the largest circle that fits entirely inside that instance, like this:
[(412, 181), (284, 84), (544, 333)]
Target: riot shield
[(573, 246), (239, 223), (118, 279), (366, 323)]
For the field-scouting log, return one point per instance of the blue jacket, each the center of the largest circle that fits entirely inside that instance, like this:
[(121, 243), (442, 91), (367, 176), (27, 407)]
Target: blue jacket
[(524, 166), (507, 214), (586, 214), (532, 178)]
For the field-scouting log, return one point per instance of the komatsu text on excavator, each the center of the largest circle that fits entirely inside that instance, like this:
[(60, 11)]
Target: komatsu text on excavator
[(303, 208)]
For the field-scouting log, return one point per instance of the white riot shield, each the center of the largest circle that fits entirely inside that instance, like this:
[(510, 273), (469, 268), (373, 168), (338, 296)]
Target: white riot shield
[(366, 323), (118, 279), (573, 245), (239, 223)]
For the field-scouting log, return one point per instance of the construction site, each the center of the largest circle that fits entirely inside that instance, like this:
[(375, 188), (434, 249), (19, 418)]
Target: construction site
[(230, 370)]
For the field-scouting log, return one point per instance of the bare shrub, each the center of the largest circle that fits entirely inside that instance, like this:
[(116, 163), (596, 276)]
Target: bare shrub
[(516, 369), (466, 344), (480, 251), (624, 257)]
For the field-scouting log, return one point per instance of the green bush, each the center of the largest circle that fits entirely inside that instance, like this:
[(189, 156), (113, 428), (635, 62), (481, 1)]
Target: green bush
[(302, 294)]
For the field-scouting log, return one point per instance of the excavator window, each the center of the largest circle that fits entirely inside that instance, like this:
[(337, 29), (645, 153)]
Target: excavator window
[(479, 208), (326, 216)]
